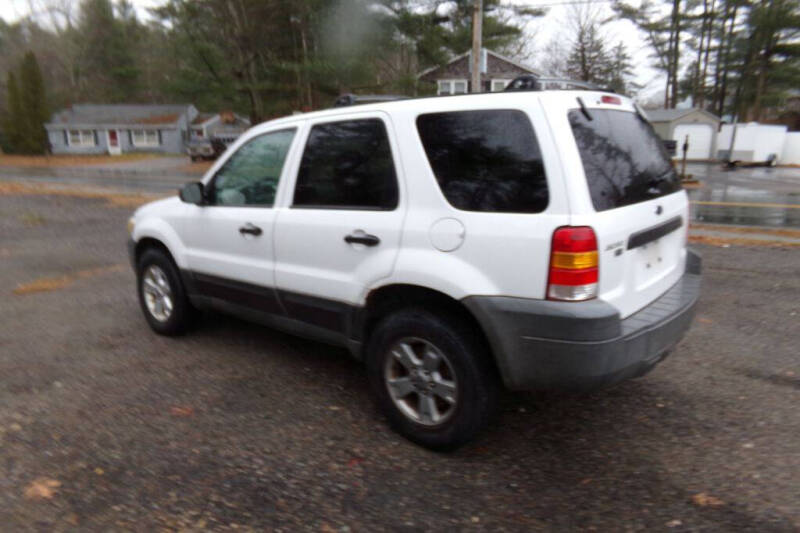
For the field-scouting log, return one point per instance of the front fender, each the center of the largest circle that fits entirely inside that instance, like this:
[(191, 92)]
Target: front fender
[(162, 231)]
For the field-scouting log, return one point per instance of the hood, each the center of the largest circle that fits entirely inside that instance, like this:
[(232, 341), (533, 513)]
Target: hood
[(157, 205)]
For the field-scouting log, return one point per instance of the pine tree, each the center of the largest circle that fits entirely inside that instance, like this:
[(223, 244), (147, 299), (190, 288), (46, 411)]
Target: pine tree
[(588, 60), (663, 35), (34, 106), (108, 67), (13, 125), (771, 56), (620, 71)]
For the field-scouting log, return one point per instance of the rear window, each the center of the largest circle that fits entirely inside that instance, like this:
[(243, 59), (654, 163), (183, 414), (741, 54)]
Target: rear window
[(485, 160), (624, 160), (347, 165)]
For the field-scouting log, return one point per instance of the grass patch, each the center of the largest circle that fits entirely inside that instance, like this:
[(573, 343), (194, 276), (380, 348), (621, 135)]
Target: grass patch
[(112, 198), (32, 219), (41, 161)]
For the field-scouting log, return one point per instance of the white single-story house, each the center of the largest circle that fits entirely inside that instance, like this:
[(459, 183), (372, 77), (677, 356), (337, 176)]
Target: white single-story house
[(120, 128), (698, 125), (454, 77)]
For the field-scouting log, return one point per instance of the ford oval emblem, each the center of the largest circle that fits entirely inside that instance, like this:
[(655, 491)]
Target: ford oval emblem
[(659, 210)]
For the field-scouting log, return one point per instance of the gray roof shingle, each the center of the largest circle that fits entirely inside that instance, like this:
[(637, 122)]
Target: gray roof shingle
[(668, 115), (117, 114)]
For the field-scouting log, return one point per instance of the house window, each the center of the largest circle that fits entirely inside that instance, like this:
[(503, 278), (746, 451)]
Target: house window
[(499, 85), (452, 87), (80, 138), (144, 138)]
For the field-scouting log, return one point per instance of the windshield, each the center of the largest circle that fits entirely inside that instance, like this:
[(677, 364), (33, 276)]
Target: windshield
[(623, 158)]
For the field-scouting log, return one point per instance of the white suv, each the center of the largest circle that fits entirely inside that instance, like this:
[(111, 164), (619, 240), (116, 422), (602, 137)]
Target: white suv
[(532, 240)]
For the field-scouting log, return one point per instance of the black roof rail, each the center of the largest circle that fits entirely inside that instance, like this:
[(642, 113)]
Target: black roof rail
[(529, 82), (356, 99)]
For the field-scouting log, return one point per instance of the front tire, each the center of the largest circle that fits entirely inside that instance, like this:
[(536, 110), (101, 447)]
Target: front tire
[(432, 377), (161, 294)]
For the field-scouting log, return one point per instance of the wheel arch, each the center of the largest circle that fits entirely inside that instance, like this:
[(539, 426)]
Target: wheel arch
[(146, 243), (158, 233), (382, 301)]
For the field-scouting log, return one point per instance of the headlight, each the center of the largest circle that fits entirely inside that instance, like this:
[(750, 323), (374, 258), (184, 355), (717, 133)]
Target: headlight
[(131, 225)]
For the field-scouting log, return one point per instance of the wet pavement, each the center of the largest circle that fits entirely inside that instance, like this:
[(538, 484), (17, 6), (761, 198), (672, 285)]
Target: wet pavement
[(745, 196)]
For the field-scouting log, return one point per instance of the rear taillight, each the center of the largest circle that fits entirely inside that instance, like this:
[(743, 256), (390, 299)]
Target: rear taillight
[(573, 264)]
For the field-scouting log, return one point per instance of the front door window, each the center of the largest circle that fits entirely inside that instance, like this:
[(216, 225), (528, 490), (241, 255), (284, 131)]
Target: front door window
[(250, 176)]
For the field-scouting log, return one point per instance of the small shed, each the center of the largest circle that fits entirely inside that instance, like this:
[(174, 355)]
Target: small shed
[(226, 125), (454, 77), (698, 125)]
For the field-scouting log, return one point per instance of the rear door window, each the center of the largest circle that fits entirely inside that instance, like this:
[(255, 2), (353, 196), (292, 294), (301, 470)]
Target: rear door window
[(347, 165), (624, 160), (486, 160)]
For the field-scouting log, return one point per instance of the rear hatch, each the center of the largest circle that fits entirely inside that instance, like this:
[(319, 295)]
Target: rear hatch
[(640, 212)]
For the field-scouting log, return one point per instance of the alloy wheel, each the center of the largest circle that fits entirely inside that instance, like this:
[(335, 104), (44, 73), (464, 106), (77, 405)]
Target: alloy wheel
[(157, 293), (421, 381)]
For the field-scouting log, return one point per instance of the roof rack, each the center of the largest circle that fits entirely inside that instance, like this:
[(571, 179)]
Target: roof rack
[(357, 99), (529, 82)]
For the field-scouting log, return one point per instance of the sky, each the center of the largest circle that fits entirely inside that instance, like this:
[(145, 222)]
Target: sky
[(541, 31), (11, 10), (544, 29)]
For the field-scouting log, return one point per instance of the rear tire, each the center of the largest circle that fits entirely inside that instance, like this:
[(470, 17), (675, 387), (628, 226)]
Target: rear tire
[(432, 377), (162, 296)]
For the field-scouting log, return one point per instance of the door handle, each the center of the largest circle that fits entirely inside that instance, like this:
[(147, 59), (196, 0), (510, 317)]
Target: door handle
[(366, 240), (250, 229)]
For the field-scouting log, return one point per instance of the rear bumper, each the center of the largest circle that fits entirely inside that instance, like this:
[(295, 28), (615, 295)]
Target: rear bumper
[(563, 345)]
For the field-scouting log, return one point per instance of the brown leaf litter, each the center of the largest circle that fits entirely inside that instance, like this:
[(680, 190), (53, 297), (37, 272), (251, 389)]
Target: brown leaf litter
[(41, 489), (60, 282)]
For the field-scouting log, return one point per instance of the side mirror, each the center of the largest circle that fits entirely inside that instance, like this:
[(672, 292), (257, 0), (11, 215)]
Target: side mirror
[(192, 193)]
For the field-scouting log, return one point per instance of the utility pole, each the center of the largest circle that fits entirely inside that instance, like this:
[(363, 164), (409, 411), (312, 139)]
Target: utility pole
[(477, 34), (730, 163)]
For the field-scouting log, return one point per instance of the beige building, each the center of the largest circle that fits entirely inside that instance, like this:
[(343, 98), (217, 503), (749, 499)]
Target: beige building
[(699, 126)]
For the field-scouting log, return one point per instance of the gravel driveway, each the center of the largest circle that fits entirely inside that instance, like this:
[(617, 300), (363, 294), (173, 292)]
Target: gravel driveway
[(106, 426)]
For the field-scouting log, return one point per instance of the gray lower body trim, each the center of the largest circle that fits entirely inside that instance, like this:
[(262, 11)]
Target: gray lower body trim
[(563, 345), (279, 322), (316, 318)]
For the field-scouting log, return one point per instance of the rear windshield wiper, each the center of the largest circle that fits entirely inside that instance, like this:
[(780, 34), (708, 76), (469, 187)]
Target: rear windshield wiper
[(584, 110)]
